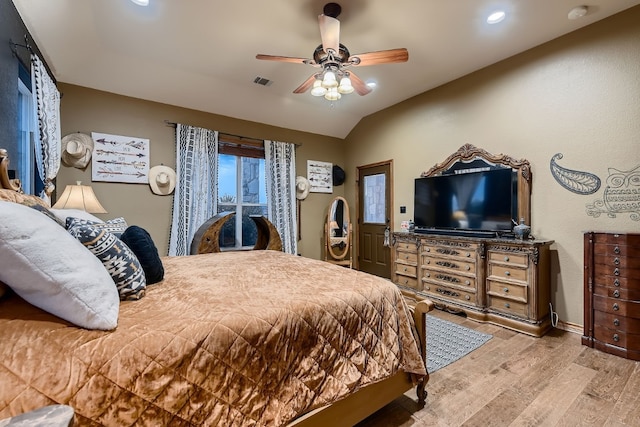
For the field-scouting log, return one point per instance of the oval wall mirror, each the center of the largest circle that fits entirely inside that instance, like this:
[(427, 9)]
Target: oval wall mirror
[(338, 232)]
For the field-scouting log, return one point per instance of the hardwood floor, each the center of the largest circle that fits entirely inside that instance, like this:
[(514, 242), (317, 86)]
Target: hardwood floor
[(517, 380)]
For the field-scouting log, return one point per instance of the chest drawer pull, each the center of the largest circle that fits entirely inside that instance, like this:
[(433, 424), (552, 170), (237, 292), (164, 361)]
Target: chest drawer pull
[(467, 297), (616, 261), (616, 322), (468, 255), (406, 257), (506, 259), (468, 267), (616, 282), (616, 250), (405, 269), (467, 282), (616, 293), (616, 271), (616, 338), (615, 307), (505, 290), (507, 305), (506, 273), (427, 250)]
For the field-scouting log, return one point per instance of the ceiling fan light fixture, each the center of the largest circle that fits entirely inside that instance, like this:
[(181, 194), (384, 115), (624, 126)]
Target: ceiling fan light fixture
[(345, 86), (332, 94), (317, 89), (329, 81)]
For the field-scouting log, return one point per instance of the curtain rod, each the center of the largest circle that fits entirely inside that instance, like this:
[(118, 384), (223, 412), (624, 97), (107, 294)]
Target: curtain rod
[(26, 45), (174, 124)]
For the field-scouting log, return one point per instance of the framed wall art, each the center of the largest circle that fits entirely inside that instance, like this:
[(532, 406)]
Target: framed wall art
[(119, 158)]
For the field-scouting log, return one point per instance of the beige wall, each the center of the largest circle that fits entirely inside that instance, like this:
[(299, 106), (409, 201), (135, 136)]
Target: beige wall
[(87, 110), (578, 95)]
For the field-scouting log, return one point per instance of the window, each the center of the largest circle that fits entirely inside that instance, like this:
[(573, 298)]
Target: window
[(241, 189)]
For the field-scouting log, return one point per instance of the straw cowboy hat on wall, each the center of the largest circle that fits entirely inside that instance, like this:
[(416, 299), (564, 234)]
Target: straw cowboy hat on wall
[(302, 187), (162, 180), (76, 150)]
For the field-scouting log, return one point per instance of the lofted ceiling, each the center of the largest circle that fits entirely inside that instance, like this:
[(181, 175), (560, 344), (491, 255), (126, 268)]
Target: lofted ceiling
[(201, 54)]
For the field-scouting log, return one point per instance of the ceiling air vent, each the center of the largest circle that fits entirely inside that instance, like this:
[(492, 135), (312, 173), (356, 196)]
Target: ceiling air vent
[(262, 81)]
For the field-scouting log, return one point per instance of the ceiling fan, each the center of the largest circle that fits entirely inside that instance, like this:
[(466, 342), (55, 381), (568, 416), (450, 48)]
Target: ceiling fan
[(334, 60)]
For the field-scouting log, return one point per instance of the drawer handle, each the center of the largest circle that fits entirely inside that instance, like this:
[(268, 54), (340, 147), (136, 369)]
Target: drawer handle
[(616, 282), (428, 261), (616, 338), (468, 267), (616, 307), (616, 271), (406, 257), (616, 293), (406, 281), (616, 322), (428, 274), (467, 282), (427, 250), (616, 261), (506, 273), (616, 250), (467, 297), (447, 292), (506, 259), (468, 255), (505, 290), (507, 305), (406, 269)]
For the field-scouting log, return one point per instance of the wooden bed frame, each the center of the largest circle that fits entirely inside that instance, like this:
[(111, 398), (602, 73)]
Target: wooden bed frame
[(353, 408)]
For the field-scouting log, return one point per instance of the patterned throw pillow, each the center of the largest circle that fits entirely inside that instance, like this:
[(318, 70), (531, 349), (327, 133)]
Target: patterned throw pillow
[(117, 258), (140, 242), (115, 226)]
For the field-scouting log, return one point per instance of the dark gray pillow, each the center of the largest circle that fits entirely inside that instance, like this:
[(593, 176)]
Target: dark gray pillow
[(140, 242)]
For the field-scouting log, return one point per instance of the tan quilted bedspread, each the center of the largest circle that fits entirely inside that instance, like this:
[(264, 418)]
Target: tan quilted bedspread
[(233, 339)]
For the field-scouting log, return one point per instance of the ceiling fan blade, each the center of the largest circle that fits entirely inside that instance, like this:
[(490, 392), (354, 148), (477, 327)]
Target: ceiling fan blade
[(284, 59), (329, 32), (306, 85), (360, 86), (380, 57)]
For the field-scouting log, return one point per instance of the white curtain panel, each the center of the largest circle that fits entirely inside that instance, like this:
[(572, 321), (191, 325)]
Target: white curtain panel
[(280, 167), (196, 195), (46, 99)]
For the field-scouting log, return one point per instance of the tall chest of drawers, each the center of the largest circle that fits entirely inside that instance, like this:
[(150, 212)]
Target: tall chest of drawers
[(612, 293)]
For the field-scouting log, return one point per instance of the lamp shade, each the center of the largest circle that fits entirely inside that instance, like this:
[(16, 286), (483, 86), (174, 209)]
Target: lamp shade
[(79, 197)]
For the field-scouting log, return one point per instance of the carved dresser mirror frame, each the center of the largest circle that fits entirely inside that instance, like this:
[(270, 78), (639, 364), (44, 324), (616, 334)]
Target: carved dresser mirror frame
[(468, 153), (338, 245)]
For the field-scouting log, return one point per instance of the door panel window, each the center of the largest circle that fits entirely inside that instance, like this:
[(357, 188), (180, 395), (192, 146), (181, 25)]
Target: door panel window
[(374, 199)]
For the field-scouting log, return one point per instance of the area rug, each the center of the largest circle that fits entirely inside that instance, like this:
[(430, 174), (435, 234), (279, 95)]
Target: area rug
[(448, 342)]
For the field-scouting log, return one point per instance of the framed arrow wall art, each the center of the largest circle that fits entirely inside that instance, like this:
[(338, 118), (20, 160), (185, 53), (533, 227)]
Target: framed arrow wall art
[(119, 159)]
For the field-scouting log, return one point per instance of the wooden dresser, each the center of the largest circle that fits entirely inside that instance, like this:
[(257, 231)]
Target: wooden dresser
[(501, 281), (612, 293)]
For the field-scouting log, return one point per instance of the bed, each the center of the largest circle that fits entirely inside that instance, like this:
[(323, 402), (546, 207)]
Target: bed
[(234, 338)]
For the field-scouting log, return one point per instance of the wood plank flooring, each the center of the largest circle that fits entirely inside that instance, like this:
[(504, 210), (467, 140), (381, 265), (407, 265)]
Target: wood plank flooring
[(517, 380)]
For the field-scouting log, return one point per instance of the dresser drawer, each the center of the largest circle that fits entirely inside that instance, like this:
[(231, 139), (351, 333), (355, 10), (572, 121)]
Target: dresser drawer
[(407, 246), (616, 239), (467, 251), (617, 282), (406, 270), (508, 306), (407, 257), (507, 272), (509, 258), (511, 291), (601, 271), (617, 292), (615, 321), (617, 338), (450, 264), (409, 282), (615, 306), (453, 294), (448, 278), (616, 261)]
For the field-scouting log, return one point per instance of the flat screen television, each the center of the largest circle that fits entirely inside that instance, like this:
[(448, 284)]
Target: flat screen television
[(484, 202)]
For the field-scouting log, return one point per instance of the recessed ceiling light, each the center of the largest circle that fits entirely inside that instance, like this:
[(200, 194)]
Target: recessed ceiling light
[(141, 2), (577, 12), (496, 17), (372, 85)]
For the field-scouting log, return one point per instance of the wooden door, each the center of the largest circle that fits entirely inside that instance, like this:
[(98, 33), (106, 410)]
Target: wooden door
[(374, 218)]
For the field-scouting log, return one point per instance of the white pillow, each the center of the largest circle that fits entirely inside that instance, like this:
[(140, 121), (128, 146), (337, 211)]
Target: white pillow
[(62, 215), (50, 269)]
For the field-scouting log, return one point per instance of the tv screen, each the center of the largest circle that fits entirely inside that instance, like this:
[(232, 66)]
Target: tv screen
[(480, 201)]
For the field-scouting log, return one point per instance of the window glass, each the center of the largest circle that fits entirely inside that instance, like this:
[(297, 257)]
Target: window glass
[(241, 189), (374, 198), (25, 164)]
